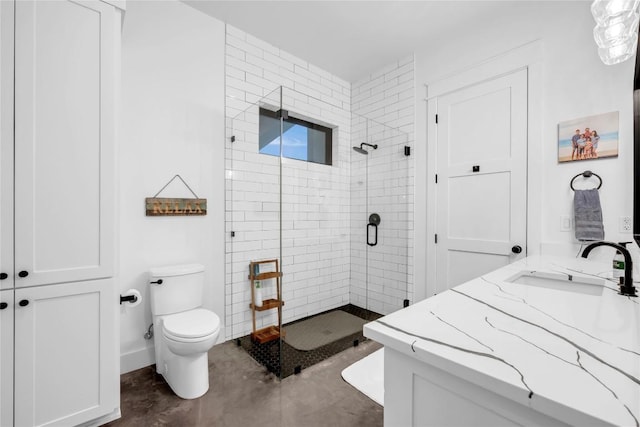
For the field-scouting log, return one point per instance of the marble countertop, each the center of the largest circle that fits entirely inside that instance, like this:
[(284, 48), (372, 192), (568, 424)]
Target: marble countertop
[(574, 356)]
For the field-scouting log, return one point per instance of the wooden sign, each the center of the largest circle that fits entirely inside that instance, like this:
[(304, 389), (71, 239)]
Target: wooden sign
[(156, 206)]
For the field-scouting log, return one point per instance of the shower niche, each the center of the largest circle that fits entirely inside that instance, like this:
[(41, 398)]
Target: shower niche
[(302, 178)]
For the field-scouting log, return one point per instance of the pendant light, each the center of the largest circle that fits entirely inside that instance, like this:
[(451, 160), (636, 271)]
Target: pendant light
[(616, 31)]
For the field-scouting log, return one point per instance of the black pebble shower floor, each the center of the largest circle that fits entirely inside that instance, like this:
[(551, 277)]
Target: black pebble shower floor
[(268, 354)]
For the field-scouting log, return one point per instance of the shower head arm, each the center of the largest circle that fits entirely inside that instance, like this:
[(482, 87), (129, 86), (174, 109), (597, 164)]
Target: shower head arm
[(374, 146)]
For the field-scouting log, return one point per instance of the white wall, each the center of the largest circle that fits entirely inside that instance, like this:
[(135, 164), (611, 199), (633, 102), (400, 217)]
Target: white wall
[(315, 197), (574, 83), (172, 122)]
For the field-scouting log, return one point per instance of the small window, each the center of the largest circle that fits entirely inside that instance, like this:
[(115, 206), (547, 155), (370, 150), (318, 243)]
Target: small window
[(301, 139)]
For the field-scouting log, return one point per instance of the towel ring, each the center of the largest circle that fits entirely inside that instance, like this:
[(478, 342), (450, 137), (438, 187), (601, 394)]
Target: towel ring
[(587, 174)]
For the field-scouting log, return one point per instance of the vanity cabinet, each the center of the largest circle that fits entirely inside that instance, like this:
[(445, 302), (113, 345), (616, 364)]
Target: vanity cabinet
[(58, 82)]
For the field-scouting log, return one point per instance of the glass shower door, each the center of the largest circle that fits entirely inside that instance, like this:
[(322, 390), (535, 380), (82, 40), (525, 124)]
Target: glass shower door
[(380, 216)]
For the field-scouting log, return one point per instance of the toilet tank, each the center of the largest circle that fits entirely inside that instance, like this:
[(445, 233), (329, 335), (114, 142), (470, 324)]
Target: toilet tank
[(181, 288)]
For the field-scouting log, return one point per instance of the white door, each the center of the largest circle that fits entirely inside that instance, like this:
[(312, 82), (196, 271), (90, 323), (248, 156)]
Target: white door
[(6, 358), (482, 170), (65, 356), (64, 141)]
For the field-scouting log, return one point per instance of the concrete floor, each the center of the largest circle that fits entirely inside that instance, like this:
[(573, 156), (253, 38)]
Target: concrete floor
[(243, 393)]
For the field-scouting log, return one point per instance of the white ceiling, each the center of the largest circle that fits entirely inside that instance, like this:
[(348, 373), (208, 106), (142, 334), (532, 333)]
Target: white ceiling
[(352, 39)]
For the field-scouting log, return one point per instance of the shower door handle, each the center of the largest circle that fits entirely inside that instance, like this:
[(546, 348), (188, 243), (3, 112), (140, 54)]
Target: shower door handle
[(375, 226)]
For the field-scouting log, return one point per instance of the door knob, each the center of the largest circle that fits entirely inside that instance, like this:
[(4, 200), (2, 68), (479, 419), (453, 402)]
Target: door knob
[(3, 305), (3, 276), (23, 273), (23, 303), (516, 249)]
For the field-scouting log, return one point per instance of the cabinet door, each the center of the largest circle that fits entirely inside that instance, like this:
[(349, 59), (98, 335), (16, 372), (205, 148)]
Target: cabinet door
[(65, 353), (6, 358), (6, 145), (64, 140)]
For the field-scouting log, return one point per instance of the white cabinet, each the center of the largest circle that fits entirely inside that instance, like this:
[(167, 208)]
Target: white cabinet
[(58, 84), (64, 133), (6, 358), (6, 145), (63, 334)]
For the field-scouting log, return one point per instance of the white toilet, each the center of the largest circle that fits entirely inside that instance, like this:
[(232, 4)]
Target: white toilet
[(184, 331)]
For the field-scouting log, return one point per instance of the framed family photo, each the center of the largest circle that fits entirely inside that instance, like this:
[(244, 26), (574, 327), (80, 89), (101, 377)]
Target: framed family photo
[(587, 138)]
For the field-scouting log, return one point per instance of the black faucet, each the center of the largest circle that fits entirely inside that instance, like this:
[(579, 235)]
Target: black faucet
[(626, 283)]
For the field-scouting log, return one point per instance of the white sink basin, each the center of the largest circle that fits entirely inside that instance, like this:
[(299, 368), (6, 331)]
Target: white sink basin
[(559, 282)]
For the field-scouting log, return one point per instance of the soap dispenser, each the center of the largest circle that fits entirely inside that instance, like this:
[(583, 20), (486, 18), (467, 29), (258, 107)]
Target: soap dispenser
[(618, 262)]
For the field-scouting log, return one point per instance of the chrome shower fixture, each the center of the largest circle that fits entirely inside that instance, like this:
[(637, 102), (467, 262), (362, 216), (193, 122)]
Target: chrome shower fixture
[(362, 150)]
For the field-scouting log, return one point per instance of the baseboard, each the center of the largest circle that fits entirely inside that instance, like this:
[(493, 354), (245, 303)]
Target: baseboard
[(116, 414), (137, 359)]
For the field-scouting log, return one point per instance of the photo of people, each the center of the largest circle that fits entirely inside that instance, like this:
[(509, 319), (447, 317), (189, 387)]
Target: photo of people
[(588, 138)]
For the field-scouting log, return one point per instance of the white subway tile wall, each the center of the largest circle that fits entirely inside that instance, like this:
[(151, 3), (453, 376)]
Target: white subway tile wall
[(322, 206), (315, 197)]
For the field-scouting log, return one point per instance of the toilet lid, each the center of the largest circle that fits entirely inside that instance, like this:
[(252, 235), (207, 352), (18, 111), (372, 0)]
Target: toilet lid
[(191, 324)]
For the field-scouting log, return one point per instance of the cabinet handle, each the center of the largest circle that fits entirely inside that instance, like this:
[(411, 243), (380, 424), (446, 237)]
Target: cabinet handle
[(3, 305), (23, 273), (3, 276), (23, 303)]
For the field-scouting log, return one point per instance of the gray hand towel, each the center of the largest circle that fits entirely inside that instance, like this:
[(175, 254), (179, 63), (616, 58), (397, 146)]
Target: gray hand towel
[(588, 215)]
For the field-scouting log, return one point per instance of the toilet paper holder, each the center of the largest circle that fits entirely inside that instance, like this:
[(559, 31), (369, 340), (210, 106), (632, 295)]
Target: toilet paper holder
[(128, 298)]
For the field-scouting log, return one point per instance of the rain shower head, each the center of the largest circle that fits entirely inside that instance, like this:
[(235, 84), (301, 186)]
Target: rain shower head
[(362, 150)]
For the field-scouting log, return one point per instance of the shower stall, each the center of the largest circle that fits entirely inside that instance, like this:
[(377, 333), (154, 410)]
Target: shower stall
[(326, 194)]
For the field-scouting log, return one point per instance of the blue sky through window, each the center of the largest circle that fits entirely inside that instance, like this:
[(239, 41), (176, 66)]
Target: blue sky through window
[(294, 144)]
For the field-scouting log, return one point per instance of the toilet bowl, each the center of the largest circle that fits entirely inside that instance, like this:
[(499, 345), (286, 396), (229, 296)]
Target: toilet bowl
[(184, 330), (186, 339), (190, 332)]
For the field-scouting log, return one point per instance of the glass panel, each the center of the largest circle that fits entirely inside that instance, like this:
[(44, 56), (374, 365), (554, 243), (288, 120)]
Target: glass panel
[(359, 194), (315, 233), (315, 239), (253, 235), (313, 219), (380, 217)]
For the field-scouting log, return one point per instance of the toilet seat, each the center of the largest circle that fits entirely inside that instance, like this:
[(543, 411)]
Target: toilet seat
[(191, 325)]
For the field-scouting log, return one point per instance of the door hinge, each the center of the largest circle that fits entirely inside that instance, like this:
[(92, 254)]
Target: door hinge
[(233, 234), (436, 178), (436, 119), (436, 239), (233, 138)]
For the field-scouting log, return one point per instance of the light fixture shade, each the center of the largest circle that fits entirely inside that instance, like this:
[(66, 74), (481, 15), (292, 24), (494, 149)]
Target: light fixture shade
[(617, 31), (604, 11), (620, 52)]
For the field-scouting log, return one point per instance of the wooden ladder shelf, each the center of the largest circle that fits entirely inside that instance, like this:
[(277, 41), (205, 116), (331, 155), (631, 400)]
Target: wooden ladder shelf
[(272, 332)]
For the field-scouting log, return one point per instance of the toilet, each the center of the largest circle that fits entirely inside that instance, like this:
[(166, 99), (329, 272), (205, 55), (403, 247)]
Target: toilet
[(184, 331)]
